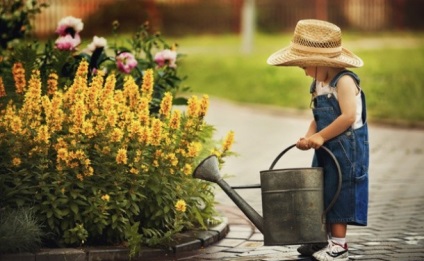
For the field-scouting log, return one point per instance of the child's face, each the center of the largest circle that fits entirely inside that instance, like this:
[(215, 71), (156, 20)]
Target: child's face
[(310, 71), (318, 73)]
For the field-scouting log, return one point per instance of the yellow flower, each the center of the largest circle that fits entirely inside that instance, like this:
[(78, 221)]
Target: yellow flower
[(143, 111), (16, 125), (116, 135), (216, 153), (155, 163), (147, 85), (18, 72), (193, 106), (105, 197), (166, 105), (47, 107), (79, 155), (144, 136), (134, 171), (173, 159), (175, 121), (52, 83), (135, 129), (82, 69), (80, 177), (89, 171), (228, 142), (78, 116), (121, 157), (204, 105), (187, 170), (2, 89), (16, 162), (87, 129), (180, 206), (31, 108), (131, 91), (194, 149), (106, 150), (43, 134), (94, 92), (156, 132)]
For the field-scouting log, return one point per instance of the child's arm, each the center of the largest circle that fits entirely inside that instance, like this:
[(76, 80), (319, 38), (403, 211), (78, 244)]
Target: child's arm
[(346, 91), (303, 143)]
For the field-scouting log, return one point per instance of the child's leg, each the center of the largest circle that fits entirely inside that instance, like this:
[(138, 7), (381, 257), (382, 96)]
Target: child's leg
[(338, 233), (338, 229)]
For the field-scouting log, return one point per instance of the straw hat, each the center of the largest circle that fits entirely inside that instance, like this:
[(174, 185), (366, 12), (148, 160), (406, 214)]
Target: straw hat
[(315, 43)]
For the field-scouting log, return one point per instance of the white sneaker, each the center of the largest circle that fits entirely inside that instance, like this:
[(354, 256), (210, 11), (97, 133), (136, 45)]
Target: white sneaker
[(332, 252), (310, 249)]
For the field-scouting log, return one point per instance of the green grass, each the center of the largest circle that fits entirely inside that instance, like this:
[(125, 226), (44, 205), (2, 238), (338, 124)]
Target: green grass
[(391, 78)]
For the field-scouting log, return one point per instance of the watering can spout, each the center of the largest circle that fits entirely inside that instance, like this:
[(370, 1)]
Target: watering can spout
[(208, 170)]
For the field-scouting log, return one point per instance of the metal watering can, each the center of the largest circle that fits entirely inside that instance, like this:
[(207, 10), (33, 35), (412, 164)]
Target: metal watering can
[(292, 201)]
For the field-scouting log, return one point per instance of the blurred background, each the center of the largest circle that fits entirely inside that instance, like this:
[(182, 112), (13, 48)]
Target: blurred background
[(188, 17), (224, 45)]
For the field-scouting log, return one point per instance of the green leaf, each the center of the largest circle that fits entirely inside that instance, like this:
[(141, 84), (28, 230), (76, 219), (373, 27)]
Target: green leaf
[(74, 208), (114, 218), (166, 209), (49, 213)]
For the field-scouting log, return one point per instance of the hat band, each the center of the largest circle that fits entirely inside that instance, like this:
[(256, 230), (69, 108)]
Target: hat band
[(317, 50)]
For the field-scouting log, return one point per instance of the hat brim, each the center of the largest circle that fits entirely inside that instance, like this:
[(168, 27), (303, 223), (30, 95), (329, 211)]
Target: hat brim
[(285, 57)]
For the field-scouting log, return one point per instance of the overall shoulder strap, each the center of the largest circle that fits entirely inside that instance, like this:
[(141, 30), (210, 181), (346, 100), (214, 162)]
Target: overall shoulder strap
[(355, 77), (312, 87), (336, 78)]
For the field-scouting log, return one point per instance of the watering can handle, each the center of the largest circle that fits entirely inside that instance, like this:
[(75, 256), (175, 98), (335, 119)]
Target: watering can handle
[(339, 186)]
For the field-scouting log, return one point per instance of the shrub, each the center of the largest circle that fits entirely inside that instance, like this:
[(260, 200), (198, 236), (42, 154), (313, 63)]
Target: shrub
[(94, 143), (20, 231), (94, 163)]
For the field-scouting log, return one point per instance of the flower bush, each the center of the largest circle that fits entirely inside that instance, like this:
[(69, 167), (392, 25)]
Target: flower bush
[(95, 145), (95, 164)]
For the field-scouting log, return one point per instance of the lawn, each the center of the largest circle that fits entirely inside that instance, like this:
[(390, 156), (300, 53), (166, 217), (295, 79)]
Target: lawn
[(392, 77)]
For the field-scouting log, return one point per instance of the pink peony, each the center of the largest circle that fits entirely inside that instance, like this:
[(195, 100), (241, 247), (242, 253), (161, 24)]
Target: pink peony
[(166, 57), (126, 62), (68, 42), (69, 25), (98, 42)]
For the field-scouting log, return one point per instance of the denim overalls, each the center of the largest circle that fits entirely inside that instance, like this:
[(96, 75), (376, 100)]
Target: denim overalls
[(352, 152)]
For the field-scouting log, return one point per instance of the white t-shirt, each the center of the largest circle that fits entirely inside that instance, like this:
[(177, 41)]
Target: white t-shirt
[(321, 89)]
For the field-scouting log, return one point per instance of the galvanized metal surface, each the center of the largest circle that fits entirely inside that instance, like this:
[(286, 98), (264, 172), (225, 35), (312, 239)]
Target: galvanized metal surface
[(292, 205), (292, 201)]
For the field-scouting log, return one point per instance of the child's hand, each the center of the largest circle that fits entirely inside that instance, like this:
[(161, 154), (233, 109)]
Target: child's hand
[(315, 141), (302, 144)]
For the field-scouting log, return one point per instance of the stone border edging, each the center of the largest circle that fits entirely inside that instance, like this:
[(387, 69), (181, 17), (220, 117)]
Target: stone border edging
[(190, 240)]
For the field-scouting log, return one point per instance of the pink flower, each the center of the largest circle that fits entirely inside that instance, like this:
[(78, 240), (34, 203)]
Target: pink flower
[(166, 57), (68, 42), (68, 29), (126, 62), (69, 25), (98, 42)]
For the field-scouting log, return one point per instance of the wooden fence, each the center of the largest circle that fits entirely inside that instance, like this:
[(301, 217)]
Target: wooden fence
[(46, 22), (223, 16)]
